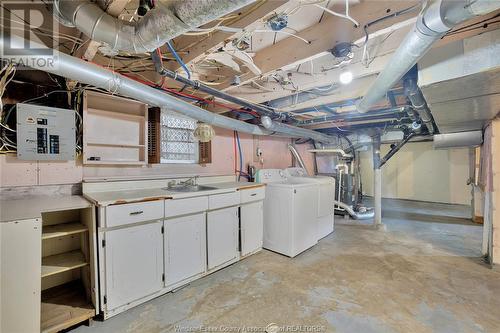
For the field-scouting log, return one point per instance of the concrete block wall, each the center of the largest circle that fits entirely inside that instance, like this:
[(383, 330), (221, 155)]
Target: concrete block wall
[(419, 172)]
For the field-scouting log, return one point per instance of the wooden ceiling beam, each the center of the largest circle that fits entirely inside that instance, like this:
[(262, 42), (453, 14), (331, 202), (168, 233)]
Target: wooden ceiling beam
[(324, 35), (196, 47)]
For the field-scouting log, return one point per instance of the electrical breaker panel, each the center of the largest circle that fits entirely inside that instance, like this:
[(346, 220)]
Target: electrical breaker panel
[(45, 133)]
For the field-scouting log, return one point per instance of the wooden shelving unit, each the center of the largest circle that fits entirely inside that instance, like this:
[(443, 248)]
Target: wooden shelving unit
[(62, 262), (64, 306), (66, 273), (114, 130), (64, 229)]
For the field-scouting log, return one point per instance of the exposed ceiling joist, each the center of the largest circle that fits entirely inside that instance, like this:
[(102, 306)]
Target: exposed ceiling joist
[(198, 47), (324, 35)]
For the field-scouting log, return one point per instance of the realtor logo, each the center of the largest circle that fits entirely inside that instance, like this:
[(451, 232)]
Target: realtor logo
[(29, 33)]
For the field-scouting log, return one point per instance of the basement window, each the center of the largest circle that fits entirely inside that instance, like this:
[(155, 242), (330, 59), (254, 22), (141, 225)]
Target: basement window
[(178, 143)]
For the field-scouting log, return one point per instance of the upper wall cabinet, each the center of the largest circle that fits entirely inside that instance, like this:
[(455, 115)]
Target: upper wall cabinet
[(114, 130)]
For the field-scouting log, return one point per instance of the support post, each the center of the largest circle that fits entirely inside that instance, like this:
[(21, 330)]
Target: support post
[(377, 182)]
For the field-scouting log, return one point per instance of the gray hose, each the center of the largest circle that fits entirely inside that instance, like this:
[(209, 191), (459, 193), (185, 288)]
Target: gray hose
[(369, 214)]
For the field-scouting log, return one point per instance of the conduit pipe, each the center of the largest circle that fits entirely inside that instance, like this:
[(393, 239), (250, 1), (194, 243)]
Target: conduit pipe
[(394, 150), (266, 119), (369, 214), (167, 20), (209, 90), (436, 19), (89, 73), (417, 100)]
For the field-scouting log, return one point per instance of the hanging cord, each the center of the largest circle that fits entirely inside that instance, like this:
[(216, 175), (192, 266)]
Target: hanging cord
[(240, 152), (345, 16), (179, 60), (366, 56)]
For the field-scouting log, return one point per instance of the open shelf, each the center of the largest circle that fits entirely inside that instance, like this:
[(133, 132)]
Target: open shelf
[(62, 262), (114, 130), (64, 229), (64, 306)]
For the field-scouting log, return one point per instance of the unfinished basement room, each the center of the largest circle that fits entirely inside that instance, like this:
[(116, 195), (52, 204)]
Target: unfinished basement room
[(250, 166)]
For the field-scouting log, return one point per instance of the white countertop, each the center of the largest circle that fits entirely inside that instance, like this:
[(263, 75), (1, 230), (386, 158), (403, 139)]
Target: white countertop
[(33, 207), (136, 195)]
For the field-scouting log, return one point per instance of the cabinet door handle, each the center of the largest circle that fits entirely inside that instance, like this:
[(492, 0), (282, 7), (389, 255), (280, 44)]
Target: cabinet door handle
[(137, 212), (253, 194)]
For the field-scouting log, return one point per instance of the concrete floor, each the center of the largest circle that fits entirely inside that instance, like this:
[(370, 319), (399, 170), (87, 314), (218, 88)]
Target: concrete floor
[(418, 276)]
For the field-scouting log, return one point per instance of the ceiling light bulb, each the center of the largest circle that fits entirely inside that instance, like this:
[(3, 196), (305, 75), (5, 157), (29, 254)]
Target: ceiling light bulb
[(345, 77)]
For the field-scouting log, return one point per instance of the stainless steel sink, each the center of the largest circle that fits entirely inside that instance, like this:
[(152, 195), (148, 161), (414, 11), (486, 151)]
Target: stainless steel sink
[(189, 188)]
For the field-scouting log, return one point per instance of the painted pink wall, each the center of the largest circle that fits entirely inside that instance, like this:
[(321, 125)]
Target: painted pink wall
[(275, 155)]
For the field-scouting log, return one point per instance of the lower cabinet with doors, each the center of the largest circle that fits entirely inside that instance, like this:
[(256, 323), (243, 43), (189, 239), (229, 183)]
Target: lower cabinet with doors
[(251, 220), (150, 248), (133, 263), (222, 237)]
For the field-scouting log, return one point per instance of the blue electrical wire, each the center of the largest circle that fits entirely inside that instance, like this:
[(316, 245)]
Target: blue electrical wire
[(179, 60), (241, 155)]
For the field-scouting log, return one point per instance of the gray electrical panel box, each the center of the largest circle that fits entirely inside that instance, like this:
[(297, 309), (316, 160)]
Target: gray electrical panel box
[(45, 133)]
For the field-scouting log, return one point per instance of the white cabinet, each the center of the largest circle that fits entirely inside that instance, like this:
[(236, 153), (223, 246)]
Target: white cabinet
[(185, 248), (20, 267), (222, 236), (133, 263), (252, 226)]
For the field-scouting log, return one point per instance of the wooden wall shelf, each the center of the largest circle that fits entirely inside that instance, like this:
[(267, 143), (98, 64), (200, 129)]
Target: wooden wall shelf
[(114, 130)]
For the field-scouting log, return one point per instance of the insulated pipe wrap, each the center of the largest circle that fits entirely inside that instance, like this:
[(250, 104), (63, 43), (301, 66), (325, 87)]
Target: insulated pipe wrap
[(162, 23), (88, 73), (434, 21)]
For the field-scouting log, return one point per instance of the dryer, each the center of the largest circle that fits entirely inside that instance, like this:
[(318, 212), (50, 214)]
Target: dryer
[(290, 213), (325, 198)]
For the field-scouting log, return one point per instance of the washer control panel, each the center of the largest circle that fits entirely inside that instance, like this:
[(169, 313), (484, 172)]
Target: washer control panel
[(271, 175)]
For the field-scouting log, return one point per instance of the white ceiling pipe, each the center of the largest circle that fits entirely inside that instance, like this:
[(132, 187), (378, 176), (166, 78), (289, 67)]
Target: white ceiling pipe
[(435, 20), (89, 73), (167, 20)]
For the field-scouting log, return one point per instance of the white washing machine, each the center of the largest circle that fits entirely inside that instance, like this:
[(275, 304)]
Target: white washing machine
[(290, 209), (326, 196)]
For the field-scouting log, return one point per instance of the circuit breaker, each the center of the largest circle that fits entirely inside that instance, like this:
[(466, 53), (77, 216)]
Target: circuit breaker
[(45, 133)]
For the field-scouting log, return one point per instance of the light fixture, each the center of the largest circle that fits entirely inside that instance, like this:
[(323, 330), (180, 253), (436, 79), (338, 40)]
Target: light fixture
[(345, 77), (204, 132)]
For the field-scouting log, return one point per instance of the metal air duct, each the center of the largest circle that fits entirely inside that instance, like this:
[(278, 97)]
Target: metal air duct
[(167, 20), (457, 140), (298, 158), (89, 73), (435, 20)]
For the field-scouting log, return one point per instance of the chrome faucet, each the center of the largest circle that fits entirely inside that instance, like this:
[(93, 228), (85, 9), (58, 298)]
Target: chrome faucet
[(193, 181)]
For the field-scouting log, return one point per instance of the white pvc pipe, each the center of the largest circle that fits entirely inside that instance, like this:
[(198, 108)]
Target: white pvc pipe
[(377, 195)]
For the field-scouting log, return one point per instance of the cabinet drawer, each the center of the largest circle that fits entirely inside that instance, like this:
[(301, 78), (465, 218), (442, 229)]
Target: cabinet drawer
[(253, 194), (223, 200), (185, 206), (134, 212)]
